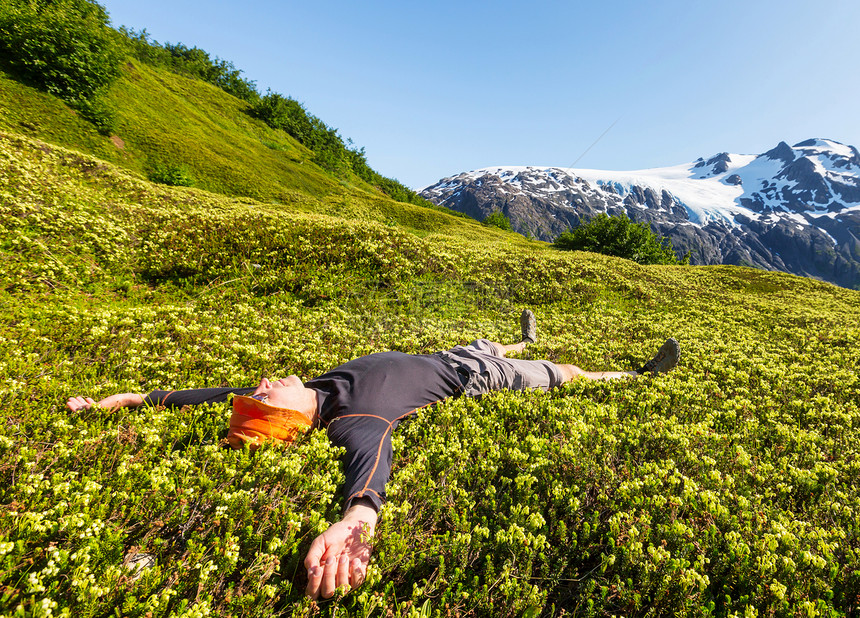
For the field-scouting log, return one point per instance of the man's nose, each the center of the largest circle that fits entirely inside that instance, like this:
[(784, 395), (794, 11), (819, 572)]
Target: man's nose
[(265, 384)]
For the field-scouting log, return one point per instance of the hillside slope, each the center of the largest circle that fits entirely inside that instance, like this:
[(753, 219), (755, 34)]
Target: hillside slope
[(164, 118), (727, 487), (167, 121)]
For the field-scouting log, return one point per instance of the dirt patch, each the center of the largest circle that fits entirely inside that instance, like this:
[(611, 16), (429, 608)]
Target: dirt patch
[(117, 141)]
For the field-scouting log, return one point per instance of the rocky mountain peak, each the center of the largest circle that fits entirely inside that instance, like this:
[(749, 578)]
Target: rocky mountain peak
[(783, 152), (718, 164)]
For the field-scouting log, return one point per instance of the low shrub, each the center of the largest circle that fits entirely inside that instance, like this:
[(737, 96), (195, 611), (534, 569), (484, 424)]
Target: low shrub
[(499, 220), (65, 47), (620, 237), (171, 175)]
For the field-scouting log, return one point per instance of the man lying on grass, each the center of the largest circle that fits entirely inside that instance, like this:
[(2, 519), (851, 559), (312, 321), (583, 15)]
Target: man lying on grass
[(359, 404)]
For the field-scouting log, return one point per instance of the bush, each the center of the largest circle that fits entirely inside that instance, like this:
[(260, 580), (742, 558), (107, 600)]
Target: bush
[(620, 237), (65, 47), (171, 175), (280, 112), (499, 220)]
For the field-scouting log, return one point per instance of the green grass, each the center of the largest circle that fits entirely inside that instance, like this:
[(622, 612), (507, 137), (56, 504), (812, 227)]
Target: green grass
[(166, 120), (40, 115), (728, 487)]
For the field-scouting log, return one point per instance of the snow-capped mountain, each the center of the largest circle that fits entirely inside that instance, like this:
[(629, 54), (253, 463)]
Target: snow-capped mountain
[(795, 209)]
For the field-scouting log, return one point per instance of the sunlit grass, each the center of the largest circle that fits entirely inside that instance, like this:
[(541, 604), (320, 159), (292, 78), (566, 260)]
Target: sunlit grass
[(728, 487)]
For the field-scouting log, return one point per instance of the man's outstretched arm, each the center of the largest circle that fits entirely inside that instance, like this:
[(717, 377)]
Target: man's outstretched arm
[(170, 399), (113, 402), (339, 556)]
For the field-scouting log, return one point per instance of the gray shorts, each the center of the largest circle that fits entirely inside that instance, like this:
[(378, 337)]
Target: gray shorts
[(488, 371)]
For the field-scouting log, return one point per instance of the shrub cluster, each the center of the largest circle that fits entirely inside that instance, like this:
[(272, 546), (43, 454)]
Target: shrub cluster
[(620, 237), (172, 175), (499, 220), (65, 47)]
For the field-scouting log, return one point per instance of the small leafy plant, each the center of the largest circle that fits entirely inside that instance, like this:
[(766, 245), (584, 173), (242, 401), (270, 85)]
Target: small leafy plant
[(172, 175)]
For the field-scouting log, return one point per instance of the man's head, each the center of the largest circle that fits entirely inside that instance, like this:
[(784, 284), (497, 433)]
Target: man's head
[(279, 411)]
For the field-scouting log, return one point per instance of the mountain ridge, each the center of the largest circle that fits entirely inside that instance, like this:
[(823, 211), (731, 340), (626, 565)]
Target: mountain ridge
[(792, 208)]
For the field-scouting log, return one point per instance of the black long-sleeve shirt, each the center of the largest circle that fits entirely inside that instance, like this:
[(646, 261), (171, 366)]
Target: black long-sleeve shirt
[(360, 403)]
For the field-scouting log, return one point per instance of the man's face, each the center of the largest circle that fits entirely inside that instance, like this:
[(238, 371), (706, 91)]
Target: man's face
[(288, 393)]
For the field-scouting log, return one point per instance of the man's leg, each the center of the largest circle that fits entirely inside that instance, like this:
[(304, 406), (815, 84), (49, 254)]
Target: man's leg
[(525, 372), (502, 350), (571, 372), (664, 360)]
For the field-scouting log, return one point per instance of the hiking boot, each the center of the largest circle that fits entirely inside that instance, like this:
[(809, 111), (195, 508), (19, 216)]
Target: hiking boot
[(528, 324), (665, 359)]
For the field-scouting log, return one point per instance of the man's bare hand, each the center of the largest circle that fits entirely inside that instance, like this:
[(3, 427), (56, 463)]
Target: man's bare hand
[(339, 556), (113, 402)]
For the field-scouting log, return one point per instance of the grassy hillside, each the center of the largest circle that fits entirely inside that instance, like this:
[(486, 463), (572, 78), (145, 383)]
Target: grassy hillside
[(165, 120), (728, 487), (168, 120)]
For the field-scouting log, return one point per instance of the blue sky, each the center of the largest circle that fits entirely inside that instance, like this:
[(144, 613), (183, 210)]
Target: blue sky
[(435, 88)]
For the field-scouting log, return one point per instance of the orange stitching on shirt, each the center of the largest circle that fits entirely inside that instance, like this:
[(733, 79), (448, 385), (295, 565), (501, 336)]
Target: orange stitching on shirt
[(364, 491), (378, 457), (354, 415), (381, 440)]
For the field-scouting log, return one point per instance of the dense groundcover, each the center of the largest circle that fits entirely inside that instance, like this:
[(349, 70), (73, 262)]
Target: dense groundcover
[(728, 487)]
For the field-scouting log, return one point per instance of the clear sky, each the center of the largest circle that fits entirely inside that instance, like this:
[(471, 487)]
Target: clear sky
[(435, 88)]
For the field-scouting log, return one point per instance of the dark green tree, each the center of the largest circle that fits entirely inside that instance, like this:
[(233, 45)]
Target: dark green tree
[(620, 237), (499, 220)]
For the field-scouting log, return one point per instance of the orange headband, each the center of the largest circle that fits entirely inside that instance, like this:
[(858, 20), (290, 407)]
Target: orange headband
[(255, 422)]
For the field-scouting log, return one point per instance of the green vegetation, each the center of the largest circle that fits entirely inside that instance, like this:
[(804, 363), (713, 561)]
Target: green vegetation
[(191, 62), (499, 220), (726, 488), (65, 47), (620, 237), (171, 175)]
